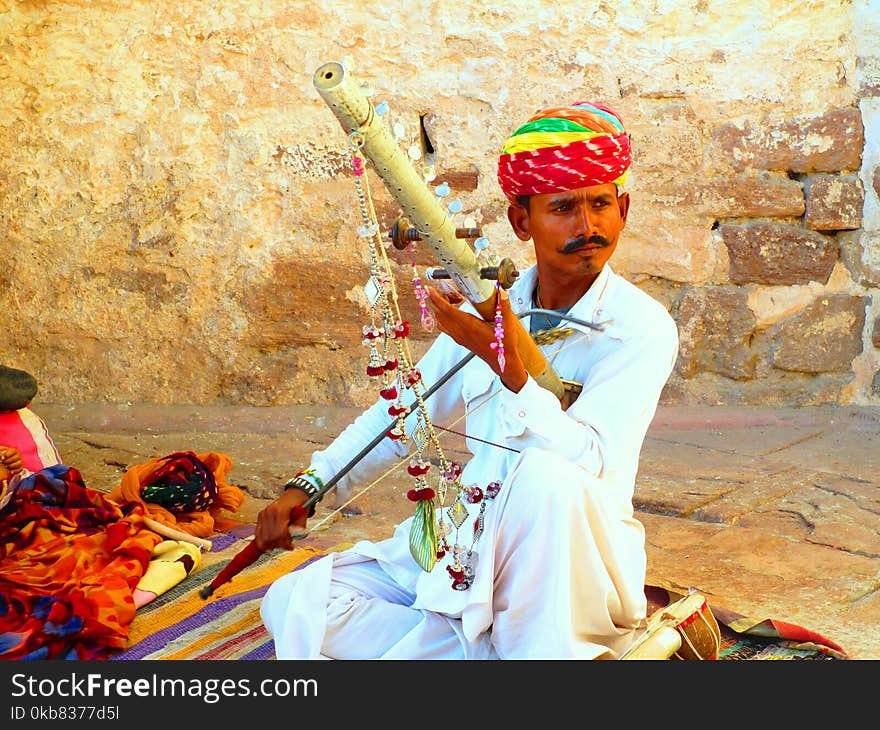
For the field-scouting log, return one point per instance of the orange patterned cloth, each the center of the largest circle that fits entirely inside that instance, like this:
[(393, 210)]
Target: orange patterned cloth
[(70, 560), (201, 523)]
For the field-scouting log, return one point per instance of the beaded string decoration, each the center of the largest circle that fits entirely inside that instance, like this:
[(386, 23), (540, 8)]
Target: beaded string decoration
[(462, 572), (421, 293), (462, 568), (391, 362), (498, 344)]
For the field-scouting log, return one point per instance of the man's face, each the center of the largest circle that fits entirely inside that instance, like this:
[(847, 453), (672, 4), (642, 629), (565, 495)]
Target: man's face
[(574, 232)]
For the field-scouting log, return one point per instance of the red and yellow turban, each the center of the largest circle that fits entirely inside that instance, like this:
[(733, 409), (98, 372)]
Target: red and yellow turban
[(565, 148)]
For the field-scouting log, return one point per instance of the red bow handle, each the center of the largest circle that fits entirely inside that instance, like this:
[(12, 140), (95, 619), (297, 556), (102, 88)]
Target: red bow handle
[(247, 556)]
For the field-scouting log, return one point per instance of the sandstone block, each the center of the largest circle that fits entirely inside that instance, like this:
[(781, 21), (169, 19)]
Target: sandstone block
[(715, 330), (776, 253), (667, 247), (463, 180), (834, 203), (868, 75), (778, 388), (669, 130), (748, 197), (831, 142), (860, 252), (824, 337)]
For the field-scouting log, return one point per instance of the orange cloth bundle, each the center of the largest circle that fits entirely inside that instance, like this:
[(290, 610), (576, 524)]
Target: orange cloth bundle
[(199, 522)]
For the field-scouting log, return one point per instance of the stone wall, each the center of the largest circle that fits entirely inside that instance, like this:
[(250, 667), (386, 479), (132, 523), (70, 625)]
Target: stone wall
[(178, 219)]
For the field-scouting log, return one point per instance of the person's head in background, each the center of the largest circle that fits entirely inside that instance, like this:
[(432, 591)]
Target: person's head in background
[(25, 442), (17, 389)]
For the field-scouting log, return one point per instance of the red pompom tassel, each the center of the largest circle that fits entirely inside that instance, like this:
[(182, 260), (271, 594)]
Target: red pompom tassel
[(417, 469), (417, 495)]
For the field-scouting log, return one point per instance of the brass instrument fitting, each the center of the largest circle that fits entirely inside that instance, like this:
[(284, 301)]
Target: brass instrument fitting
[(505, 273), (403, 232)]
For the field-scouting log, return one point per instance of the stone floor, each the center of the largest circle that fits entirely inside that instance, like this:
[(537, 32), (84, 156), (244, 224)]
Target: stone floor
[(774, 513)]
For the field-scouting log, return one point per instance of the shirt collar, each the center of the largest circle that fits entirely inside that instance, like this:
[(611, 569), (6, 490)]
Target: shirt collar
[(584, 308)]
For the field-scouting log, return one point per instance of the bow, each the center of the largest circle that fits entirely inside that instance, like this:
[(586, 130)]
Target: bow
[(251, 553)]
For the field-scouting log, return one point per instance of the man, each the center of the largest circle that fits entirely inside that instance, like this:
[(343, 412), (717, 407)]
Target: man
[(557, 569)]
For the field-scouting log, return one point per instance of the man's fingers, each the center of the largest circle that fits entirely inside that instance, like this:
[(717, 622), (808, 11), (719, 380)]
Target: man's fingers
[(454, 297), (446, 297), (299, 517), (506, 310), (437, 299), (11, 458), (441, 308), (272, 530)]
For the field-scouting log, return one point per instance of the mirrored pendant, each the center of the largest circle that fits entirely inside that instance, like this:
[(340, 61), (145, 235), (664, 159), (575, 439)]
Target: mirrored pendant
[(457, 512)]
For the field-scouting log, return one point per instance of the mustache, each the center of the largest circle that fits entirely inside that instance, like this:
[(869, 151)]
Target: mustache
[(575, 243)]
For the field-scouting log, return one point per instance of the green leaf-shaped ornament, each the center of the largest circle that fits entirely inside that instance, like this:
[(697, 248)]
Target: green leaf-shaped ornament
[(423, 535)]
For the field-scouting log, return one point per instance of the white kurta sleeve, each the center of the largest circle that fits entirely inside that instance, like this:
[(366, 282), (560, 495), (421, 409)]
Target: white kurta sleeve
[(606, 425)]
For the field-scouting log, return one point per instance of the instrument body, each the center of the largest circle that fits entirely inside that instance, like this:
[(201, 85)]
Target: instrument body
[(358, 118), (685, 629)]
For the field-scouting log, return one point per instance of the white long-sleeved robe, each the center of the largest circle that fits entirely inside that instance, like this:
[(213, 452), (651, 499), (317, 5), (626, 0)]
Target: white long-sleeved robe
[(560, 566)]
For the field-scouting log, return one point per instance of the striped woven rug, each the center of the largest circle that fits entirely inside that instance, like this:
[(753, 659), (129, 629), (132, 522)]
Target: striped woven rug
[(180, 624)]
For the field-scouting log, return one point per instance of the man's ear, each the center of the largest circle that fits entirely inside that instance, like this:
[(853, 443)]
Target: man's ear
[(518, 216), (623, 203)]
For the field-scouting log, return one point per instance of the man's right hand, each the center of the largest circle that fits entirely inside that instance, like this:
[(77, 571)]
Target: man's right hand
[(273, 521)]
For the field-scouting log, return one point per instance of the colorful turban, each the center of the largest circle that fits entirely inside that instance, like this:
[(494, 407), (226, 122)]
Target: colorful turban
[(565, 148)]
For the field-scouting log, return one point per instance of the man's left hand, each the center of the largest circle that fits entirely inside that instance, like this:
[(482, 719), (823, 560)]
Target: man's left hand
[(477, 335)]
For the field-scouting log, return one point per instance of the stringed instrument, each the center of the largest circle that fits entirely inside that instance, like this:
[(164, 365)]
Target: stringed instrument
[(425, 220)]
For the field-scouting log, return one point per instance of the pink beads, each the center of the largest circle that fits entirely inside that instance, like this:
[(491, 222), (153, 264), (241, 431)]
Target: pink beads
[(422, 295), (498, 344)]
